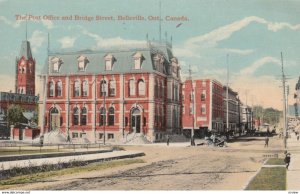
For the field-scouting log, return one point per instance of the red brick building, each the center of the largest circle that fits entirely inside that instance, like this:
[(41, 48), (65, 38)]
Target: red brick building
[(113, 95), (202, 105), (24, 87)]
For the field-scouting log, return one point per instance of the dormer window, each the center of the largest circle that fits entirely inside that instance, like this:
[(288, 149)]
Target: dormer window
[(138, 59), (82, 63), (109, 62), (56, 64)]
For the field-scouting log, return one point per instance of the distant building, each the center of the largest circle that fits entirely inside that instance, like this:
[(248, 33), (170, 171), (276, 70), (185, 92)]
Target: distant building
[(113, 95), (204, 109), (233, 109)]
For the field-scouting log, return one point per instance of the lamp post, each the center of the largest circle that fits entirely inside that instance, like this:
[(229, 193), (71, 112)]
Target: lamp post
[(104, 119)]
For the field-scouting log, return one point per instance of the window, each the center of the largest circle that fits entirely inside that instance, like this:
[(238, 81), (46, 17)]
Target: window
[(51, 89), (82, 135), (111, 116), (75, 116), (203, 110), (110, 136), (102, 116), (103, 88), (85, 88), (131, 87), (83, 116), (59, 88), (56, 64), (138, 59), (191, 97), (112, 88), (109, 62), (101, 135), (141, 87), (74, 135), (191, 108), (82, 63), (203, 97), (76, 89)]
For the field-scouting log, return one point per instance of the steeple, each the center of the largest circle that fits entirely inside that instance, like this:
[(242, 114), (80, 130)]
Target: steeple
[(25, 50)]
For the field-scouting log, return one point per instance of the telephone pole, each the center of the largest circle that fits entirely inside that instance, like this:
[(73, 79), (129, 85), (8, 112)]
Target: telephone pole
[(284, 103)]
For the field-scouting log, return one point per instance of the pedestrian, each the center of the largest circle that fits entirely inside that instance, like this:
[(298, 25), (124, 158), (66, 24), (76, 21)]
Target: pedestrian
[(192, 141), (41, 140), (168, 140), (287, 160), (298, 136), (266, 141)]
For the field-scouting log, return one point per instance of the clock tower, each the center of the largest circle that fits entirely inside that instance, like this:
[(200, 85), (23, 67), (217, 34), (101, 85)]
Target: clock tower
[(25, 71)]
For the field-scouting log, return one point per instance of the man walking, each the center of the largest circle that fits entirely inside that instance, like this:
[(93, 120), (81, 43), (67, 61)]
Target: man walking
[(266, 141), (168, 140), (287, 160)]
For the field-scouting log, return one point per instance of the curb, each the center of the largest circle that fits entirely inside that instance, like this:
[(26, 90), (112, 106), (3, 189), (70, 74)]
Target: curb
[(49, 155)]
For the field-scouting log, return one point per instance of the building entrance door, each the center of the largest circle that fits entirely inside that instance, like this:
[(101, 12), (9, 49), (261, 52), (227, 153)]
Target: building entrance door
[(54, 119), (136, 120)]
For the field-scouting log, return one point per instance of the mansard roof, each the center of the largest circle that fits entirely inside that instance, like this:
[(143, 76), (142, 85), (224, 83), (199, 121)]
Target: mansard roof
[(123, 60), (25, 50)]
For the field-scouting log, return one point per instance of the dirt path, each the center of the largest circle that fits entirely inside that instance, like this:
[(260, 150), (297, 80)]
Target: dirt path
[(174, 168)]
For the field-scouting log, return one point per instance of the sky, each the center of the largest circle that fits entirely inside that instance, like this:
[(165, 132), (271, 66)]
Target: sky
[(210, 36)]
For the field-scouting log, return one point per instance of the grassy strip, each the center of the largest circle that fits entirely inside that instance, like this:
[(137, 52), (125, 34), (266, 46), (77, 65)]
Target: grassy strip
[(275, 161), (31, 178), (273, 178)]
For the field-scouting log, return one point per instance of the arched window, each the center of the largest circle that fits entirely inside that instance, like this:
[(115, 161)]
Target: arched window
[(54, 119), (103, 88), (75, 116), (141, 87), (51, 89), (59, 88), (85, 88), (111, 116), (76, 89), (131, 87), (102, 116), (112, 88), (83, 116)]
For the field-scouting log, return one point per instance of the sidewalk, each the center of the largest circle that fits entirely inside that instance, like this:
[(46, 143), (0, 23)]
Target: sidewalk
[(293, 173), (66, 159)]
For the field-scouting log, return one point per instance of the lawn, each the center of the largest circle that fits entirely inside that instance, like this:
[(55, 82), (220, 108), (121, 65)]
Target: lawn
[(275, 161), (13, 182), (273, 178)]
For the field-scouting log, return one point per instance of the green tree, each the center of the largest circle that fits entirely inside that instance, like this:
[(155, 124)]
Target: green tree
[(15, 115)]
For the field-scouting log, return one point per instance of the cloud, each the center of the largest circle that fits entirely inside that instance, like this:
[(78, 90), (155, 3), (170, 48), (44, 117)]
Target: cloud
[(37, 39), (48, 24), (259, 63), (67, 41), (212, 38), (15, 24), (239, 51), (111, 42)]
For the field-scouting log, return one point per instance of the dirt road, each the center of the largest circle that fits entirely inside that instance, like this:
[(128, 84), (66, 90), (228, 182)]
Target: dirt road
[(175, 167)]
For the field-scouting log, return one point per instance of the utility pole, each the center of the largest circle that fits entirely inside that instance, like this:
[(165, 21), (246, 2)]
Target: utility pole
[(104, 95), (284, 103), (193, 106), (227, 100)]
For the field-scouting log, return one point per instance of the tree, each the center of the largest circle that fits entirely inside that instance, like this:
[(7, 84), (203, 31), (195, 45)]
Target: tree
[(15, 115)]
